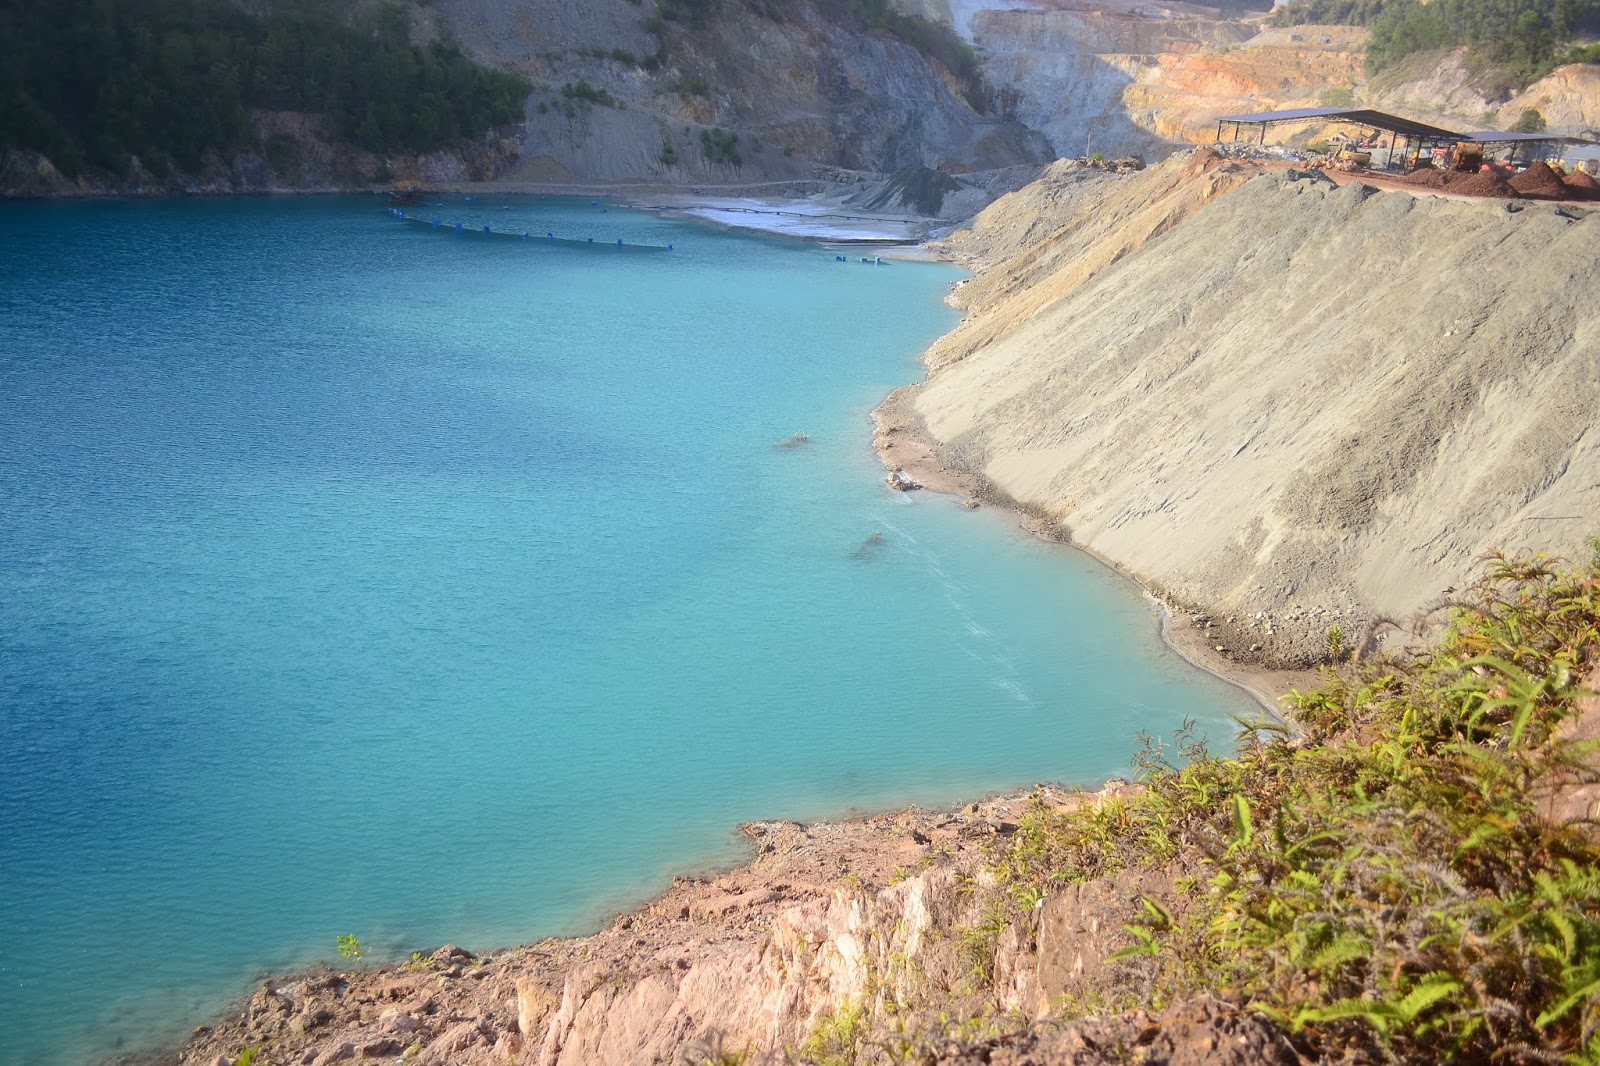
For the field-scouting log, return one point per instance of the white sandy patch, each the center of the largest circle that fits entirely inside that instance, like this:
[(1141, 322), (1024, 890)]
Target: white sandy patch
[(823, 220)]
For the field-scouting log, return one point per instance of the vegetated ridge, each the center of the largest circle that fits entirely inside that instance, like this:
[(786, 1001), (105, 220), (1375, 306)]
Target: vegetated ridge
[(1289, 405), (136, 88), (1531, 36), (205, 95)]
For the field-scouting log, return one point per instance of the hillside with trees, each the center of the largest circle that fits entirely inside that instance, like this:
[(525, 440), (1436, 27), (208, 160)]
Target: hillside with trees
[(1532, 36), (94, 83)]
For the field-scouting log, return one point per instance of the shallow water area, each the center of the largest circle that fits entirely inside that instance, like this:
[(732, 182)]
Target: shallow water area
[(364, 577)]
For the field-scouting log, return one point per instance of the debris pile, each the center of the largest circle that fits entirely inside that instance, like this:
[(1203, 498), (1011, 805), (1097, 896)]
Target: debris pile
[(1539, 182), (1487, 183), (1582, 186)]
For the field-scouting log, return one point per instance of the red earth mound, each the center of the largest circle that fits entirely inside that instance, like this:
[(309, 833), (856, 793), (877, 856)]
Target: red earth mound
[(1539, 182), (1428, 178), (1483, 183), (1582, 186)]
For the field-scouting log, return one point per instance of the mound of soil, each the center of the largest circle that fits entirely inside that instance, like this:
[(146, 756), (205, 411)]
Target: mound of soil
[(1539, 182), (915, 188), (1428, 178), (1582, 186), (1484, 183)]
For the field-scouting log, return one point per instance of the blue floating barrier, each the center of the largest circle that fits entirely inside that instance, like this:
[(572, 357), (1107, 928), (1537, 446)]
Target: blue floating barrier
[(619, 242), (434, 223), (591, 240), (486, 229), (550, 236), (669, 247), (458, 227), (877, 260), (594, 203), (524, 234)]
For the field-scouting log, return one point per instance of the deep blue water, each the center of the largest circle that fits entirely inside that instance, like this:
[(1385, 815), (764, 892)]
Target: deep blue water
[(356, 577)]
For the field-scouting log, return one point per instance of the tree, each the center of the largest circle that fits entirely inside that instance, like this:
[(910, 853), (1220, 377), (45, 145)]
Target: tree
[(1530, 121)]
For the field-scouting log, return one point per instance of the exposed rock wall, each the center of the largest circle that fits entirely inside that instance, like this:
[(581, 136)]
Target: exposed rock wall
[(1321, 404), (799, 90)]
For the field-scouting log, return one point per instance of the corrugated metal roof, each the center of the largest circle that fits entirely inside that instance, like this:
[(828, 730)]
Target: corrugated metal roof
[(1286, 116), (1510, 137), (1381, 120)]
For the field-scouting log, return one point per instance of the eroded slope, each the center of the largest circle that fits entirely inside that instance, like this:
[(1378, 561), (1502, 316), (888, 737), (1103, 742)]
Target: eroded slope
[(1316, 403)]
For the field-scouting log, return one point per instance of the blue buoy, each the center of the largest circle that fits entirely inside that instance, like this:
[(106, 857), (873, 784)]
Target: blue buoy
[(619, 242), (550, 236), (524, 234), (591, 240), (669, 247), (434, 223), (486, 229), (594, 203), (458, 227)]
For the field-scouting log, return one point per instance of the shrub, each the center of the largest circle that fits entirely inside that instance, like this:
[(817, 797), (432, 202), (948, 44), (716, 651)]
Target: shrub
[(1389, 885)]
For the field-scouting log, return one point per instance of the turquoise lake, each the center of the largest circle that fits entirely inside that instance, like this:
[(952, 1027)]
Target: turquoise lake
[(357, 577)]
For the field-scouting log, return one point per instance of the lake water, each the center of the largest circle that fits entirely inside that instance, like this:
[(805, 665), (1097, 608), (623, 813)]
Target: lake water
[(358, 577)]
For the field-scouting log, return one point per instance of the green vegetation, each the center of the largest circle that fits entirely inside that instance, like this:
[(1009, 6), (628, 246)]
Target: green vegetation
[(350, 948), (581, 90), (1530, 121), (1329, 12), (721, 146), (94, 82), (836, 1038), (1530, 36), (691, 85), (1393, 884)]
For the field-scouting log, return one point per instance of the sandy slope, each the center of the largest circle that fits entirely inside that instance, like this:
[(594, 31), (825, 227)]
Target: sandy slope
[(1274, 396)]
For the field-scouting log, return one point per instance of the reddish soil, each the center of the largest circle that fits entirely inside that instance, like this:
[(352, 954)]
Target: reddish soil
[(1484, 183), (1428, 178), (1539, 182), (1582, 186)]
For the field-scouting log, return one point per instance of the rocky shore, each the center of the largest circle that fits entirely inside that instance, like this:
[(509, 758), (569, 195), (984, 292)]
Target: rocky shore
[(827, 920)]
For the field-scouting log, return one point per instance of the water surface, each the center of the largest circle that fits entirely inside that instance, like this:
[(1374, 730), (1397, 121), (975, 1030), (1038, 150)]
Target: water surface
[(361, 577)]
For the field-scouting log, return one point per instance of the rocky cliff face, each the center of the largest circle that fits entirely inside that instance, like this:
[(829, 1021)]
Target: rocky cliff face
[(1294, 404), (751, 93), (1146, 77), (798, 90)]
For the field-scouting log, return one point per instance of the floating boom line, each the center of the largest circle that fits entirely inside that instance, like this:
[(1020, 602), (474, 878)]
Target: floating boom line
[(548, 237)]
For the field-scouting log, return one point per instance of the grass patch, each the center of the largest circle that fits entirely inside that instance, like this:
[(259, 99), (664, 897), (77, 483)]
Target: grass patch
[(1388, 885)]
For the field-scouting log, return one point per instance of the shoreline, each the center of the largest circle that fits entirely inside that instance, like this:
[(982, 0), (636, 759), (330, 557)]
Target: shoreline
[(902, 443), (693, 920)]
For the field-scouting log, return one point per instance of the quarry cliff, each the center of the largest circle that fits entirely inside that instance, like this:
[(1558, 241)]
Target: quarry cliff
[(1286, 403)]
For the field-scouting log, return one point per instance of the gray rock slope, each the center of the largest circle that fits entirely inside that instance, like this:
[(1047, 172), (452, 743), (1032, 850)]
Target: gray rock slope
[(798, 89), (1322, 404)]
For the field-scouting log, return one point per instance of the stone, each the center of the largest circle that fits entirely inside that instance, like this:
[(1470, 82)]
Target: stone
[(377, 1049), (395, 1020), (309, 1019), (900, 481), (337, 1053), (534, 1004)]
